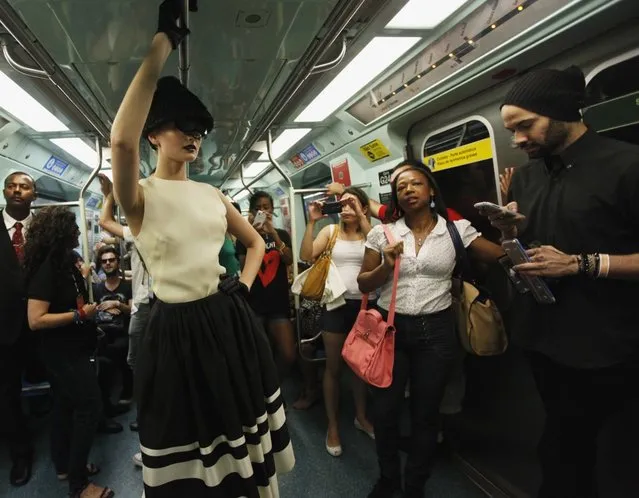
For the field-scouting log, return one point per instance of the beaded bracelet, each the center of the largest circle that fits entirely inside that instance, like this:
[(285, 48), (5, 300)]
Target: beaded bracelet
[(590, 265)]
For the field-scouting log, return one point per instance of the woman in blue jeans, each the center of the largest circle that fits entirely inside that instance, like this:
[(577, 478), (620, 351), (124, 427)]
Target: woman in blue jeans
[(426, 346)]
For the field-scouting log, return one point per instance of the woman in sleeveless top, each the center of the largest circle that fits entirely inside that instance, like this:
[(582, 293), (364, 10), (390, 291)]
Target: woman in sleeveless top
[(211, 419), (348, 254), (228, 253)]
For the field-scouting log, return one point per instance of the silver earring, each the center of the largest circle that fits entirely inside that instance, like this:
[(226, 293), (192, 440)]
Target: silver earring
[(432, 204)]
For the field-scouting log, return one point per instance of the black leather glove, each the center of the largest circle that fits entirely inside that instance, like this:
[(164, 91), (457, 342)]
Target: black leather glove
[(232, 285), (168, 15)]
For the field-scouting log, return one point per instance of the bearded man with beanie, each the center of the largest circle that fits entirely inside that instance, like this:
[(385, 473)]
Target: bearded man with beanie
[(577, 198)]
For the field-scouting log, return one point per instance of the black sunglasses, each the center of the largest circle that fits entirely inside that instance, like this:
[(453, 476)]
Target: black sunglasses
[(110, 260), (191, 127)]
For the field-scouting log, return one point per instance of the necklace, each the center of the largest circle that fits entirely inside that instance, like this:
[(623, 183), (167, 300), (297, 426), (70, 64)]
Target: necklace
[(420, 240)]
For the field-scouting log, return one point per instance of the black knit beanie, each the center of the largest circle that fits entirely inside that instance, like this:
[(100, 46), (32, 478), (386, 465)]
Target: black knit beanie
[(550, 92), (173, 101)]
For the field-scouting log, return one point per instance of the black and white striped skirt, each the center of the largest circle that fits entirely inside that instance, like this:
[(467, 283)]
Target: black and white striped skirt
[(211, 414)]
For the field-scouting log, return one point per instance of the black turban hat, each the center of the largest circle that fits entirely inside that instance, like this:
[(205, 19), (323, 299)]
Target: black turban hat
[(173, 102)]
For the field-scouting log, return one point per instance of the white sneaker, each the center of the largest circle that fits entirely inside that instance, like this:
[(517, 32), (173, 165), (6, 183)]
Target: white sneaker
[(137, 459)]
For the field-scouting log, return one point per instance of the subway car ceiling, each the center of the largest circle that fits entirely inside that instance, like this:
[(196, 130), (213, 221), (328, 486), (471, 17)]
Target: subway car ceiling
[(354, 80)]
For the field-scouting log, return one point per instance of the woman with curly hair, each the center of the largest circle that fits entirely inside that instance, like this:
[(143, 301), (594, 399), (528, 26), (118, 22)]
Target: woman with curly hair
[(58, 307)]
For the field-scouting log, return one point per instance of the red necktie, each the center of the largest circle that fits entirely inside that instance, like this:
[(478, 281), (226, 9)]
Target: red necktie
[(18, 241)]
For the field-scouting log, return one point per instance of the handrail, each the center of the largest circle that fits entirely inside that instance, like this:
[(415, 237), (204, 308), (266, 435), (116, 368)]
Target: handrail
[(83, 213), (335, 25), (69, 203), (20, 68), (16, 27), (322, 68)]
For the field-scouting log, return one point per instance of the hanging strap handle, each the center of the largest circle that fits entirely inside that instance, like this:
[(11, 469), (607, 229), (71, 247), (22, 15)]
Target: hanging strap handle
[(391, 308)]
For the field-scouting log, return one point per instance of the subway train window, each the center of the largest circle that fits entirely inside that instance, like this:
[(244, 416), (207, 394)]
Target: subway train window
[(462, 158), (612, 101)]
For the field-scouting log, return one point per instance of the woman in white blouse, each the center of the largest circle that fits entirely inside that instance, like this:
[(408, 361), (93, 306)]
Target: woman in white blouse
[(426, 344), (348, 254)]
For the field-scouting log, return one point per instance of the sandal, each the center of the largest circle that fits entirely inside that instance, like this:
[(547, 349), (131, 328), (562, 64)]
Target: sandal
[(92, 469)]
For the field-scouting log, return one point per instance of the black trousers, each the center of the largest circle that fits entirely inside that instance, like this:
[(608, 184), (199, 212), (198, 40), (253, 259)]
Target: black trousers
[(112, 355), (77, 408), (13, 423), (426, 351), (578, 402)]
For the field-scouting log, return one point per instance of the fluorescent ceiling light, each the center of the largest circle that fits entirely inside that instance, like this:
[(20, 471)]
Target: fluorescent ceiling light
[(254, 169), (416, 15), (78, 149), (25, 108), (374, 59), (285, 141)]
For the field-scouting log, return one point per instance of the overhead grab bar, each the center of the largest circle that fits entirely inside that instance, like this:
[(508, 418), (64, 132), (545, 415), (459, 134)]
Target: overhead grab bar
[(83, 213), (16, 27), (334, 26), (322, 68), (184, 54), (317, 190), (69, 203), (20, 68), (242, 180)]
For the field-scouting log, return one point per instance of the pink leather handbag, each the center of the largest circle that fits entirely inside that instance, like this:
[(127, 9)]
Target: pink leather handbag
[(369, 348)]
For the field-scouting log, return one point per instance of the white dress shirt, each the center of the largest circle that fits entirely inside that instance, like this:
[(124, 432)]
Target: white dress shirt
[(10, 224), (425, 280)]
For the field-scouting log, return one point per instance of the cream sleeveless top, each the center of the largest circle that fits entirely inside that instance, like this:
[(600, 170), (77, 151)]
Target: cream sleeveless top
[(180, 239)]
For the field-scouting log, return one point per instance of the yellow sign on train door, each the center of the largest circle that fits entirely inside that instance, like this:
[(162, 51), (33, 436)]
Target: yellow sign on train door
[(460, 156), (374, 151)]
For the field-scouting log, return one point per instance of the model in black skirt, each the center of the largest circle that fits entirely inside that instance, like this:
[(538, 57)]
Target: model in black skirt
[(211, 416)]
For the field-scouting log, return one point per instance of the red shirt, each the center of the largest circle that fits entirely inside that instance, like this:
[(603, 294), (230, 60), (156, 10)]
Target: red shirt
[(452, 214)]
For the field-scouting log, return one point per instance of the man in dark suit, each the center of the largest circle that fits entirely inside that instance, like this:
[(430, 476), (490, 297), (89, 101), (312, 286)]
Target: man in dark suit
[(19, 192)]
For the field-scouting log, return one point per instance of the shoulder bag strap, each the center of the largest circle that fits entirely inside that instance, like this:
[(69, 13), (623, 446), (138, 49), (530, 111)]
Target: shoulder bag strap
[(332, 240), (462, 267), (391, 308)]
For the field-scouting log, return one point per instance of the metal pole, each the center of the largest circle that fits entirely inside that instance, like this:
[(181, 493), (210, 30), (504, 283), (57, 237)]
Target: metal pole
[(316, 190), (69, 203), (83, 213), (184, 56), (291, 204)]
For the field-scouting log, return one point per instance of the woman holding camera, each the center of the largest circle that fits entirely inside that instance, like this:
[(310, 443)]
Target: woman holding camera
[(347, 255)]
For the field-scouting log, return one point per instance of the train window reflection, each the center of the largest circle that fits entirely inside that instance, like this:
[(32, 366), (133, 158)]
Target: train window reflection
[(612, 101), (463, 162)]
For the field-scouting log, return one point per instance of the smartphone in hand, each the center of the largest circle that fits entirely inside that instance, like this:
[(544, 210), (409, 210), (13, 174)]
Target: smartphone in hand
[(490, 208), (260, 218), (332, 207)]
